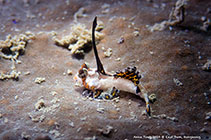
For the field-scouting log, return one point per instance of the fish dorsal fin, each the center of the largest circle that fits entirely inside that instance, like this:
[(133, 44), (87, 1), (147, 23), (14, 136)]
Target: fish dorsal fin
[(100, 68), (129, 73)]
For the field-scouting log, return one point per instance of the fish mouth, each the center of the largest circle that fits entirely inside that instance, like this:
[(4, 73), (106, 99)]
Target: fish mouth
[(78, 84), (77, 81)]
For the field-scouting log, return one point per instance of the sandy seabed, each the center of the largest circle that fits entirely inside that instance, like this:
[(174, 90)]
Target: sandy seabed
[(43, 104)]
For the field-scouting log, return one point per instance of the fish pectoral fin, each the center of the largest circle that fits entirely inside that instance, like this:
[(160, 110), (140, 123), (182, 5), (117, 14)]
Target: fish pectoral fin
[(148, 110), (114, 92), (97, 93)]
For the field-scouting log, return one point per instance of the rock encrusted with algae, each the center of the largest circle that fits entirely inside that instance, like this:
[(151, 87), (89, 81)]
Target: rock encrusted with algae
[(176, 17), (11, 48), (12, 75), (79, 38)]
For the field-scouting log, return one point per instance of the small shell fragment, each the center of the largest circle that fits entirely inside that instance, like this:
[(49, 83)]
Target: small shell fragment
[(207, 65), (40, 103), (106, 131), (177, 82), (100, 110), (152, 98), (69, 72), (39, 80), (108, 52), (121, 40), (136, 33), (118, 59)]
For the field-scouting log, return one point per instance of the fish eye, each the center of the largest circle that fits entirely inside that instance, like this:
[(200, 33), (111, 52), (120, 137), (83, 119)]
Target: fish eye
[(79, 75), (82, 73)]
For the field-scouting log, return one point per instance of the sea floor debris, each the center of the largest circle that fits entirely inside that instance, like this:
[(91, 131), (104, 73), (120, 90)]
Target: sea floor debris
[(207, 65), (176, 16), (11, 49), (79, 38)]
